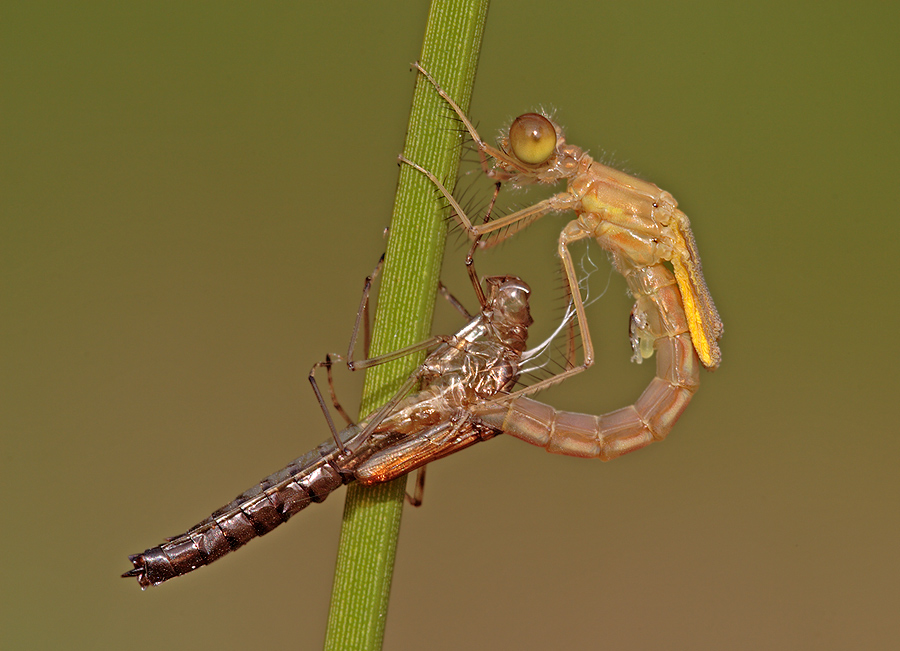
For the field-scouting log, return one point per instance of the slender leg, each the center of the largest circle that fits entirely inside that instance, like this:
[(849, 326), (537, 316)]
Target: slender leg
[(470, 258), (513, 222), (333, 394), (362, 314), (416, 498), (484, 149), (450, 298)]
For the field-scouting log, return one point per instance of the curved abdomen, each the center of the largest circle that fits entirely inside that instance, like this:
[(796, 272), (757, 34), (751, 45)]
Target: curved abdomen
[(658, 324)]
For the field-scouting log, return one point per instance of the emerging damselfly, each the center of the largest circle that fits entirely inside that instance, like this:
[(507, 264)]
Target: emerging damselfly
[(643, 230)]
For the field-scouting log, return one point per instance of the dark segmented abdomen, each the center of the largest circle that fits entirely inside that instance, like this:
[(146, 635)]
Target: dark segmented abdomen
[(309, 478)]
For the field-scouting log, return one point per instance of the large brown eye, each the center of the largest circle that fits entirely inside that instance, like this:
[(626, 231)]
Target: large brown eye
[(532, 138)]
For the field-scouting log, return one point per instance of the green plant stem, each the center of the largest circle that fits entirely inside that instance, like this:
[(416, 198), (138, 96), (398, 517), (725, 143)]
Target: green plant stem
[(371, 523)]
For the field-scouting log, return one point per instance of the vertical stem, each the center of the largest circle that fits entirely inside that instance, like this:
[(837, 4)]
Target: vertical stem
[(371, 523)]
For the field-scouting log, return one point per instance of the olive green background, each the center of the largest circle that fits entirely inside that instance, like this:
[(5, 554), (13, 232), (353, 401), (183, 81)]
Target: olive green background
[(191, 197)]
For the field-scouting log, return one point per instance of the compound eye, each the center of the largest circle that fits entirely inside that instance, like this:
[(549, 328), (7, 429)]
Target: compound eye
[(532, 138)]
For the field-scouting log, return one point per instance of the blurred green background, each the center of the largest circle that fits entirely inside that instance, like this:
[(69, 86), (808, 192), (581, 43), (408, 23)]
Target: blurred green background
[(191, 197)]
